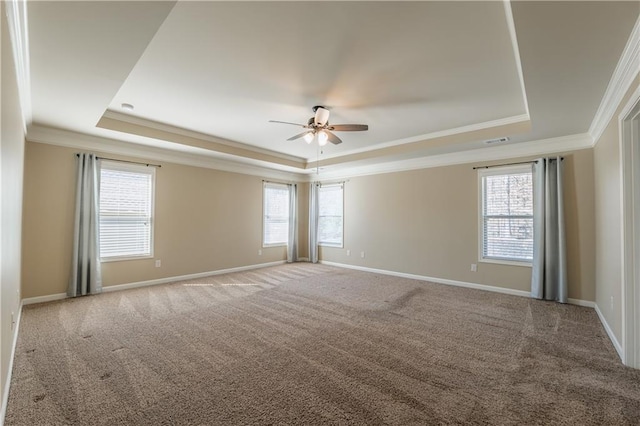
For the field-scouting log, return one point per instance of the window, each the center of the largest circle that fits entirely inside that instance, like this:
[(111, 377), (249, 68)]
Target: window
[(330, 206), (126, 211), (275, 228), (506, 214)]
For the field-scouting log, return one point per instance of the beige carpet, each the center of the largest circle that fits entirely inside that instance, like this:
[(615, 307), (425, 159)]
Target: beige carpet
[(312, 344)]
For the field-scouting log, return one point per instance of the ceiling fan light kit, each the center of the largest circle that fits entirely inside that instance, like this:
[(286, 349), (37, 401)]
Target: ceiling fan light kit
[(308, 137), (322, 138), (321, 130)]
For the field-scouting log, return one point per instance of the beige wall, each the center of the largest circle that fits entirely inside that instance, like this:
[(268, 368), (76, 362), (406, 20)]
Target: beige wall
[(11, 171), (205, 220), (208, 220), (425, 222), (608, 204)]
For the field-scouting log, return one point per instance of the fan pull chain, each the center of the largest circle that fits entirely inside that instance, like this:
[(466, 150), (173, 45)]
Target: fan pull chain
[(318, 159)]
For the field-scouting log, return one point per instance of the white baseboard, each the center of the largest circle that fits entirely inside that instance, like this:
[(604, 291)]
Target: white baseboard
[(7, 384), (118, 287), (303, 259), (433, 279), (445, 281), (127, 286), (42, 299), (612, 336), (580, 302)]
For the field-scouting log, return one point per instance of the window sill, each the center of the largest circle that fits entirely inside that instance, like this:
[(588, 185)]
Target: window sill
[(274, 245), (331, 245), (506, 262), (123, 258)]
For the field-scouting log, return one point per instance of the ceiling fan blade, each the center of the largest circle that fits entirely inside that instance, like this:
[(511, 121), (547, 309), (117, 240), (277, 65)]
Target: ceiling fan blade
[(292, 138), (286, 122), (333, 138), (322, 116), (349, 127)]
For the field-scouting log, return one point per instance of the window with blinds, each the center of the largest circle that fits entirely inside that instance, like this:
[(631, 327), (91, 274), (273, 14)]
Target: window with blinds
[(275, 228), (126, 210), (330, 217), (507, 214)]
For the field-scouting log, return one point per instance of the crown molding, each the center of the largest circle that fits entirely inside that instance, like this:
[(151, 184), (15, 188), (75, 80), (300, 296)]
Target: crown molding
[(16, 12), (516, 51), (624, 74), (502, 152), (112, 120), (516, 119), (167, 131), (71, 139)]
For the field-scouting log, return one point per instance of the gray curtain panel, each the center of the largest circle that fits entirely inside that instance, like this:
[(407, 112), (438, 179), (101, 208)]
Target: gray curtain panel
[(549, 274), (85, 273), (292, 243), (313, 221)]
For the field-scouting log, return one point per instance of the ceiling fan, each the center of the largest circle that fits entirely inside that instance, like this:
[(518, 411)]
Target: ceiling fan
[(318, 127)]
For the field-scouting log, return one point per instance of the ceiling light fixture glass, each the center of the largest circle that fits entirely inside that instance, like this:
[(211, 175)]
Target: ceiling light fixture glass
[(308, 138), (322, 138)]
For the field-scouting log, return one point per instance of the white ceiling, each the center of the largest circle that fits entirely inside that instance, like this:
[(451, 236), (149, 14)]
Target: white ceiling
[(216, 72)]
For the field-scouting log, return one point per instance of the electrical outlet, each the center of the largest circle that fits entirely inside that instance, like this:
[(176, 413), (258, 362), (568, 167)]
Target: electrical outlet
[(348, 252), (158, 263), (259, 252), (611, 303), (474, 267), (362, 254)]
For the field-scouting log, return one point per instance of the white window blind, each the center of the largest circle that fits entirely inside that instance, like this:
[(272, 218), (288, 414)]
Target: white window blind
[(276, 214), (330, 217), (507, 214), (126, 210)]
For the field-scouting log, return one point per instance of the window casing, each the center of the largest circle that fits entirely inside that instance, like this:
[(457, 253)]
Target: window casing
[(275, 214), (126, 211), (330, 216), (506, 215)]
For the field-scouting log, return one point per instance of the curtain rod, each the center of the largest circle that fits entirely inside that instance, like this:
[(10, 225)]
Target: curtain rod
[(509, 164), (125, 161), (279, 183), (340, 182)]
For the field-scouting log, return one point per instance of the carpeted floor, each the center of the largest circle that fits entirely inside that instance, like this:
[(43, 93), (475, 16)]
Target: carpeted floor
[(313, 344)]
